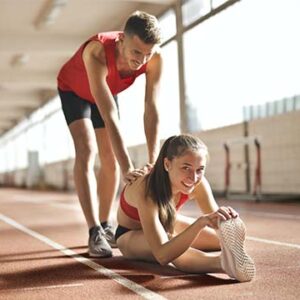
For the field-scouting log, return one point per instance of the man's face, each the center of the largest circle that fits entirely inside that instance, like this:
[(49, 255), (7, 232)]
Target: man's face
[(136, 52)]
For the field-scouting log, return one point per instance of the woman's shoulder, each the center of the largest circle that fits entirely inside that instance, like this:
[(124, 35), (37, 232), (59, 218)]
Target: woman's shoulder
[(136, 189)]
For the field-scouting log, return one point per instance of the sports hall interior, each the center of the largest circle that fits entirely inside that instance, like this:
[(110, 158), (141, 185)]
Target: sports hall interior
[(230, 77)]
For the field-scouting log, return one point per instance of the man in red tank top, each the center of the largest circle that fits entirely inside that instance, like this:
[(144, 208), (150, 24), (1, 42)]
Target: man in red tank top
[(88, 84)]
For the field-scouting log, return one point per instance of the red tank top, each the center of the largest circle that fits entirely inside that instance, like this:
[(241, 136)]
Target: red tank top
[(73, 76), (133, 213)]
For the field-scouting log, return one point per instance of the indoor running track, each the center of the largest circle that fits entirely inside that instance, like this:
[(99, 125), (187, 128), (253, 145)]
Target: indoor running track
[(43, 255)]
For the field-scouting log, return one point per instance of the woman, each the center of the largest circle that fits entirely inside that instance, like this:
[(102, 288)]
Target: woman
[(151, 229)]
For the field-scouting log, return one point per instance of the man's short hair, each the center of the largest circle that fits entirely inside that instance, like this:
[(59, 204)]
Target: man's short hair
[(145, 26)]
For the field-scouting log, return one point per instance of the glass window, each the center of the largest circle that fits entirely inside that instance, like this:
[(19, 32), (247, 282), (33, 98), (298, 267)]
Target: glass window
[(131, 102), (169, 105), (194, 9), (229, 62), (297, 102), (290, 104), (217, 3), (168, 24)]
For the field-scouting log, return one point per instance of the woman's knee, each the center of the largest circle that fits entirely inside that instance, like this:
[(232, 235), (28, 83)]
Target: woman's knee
[(182, 262)]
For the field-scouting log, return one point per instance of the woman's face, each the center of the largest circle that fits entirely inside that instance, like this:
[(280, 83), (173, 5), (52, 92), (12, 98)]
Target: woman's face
[(186, 171)]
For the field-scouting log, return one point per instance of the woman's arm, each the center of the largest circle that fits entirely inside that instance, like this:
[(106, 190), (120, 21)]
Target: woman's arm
[(163, 249), (204, 197)]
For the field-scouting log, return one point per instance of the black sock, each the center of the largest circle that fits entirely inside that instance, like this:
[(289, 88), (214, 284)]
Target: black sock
[(104, 224)]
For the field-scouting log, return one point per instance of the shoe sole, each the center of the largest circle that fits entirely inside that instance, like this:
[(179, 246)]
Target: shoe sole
[(232, 236), (100, 255)]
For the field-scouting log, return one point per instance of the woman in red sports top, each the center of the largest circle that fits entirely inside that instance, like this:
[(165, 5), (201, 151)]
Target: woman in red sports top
[(151, 229)]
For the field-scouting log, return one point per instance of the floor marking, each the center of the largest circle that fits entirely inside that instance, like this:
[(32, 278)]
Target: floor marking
[(136, 288), (271, 215), (74, 206), (47, 287), (251, 238), (180, 276)]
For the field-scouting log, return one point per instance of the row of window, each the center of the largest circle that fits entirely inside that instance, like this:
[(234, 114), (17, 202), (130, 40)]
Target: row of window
[(246, 55)]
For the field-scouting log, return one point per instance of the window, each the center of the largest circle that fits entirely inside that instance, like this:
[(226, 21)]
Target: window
[(231, 61), (194, 9)]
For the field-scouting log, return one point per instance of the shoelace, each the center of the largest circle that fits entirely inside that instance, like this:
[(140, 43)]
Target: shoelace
[(98, 235)]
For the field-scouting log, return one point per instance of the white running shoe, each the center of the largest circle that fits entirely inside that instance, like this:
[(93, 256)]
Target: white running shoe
[(98, 245), (110, 236), (234, 259)]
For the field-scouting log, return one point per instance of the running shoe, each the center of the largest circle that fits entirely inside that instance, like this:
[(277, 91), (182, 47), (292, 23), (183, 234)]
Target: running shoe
[(234, 259), (98, 245), (110, 236)]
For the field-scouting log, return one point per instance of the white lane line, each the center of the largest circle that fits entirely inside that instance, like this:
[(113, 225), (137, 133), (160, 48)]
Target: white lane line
[(180, 276), (251, 238), (74, 206), (136, 288), (48, 287), (271, 215)]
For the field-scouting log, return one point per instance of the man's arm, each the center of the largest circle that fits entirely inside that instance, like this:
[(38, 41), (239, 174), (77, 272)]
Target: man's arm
[(97, 72), (151, 115)]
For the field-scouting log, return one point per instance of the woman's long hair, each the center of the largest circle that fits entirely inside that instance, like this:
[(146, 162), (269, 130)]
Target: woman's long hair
[(158, 185)]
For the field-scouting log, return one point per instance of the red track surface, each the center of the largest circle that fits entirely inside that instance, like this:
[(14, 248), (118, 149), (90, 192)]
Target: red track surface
[(38, 267)]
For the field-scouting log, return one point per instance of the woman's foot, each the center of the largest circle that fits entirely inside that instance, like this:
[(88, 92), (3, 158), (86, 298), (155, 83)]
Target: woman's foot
[(234, 259)]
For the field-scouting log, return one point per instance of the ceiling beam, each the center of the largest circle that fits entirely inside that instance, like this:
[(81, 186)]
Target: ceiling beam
[(54, 44), (23, 79)]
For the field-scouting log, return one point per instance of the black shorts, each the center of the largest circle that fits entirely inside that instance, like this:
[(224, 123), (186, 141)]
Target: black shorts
[(76, 108), (120, 231)]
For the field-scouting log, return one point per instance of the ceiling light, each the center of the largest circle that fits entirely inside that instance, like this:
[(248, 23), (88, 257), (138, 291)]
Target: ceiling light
[(19, 60), (50, 13)]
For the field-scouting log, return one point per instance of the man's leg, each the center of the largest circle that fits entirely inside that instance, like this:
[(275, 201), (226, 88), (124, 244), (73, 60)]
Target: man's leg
[(108, 177), (83, 136), (82, 132)]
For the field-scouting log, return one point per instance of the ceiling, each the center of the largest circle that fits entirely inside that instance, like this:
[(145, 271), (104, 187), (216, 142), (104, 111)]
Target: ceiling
[(33, 46)]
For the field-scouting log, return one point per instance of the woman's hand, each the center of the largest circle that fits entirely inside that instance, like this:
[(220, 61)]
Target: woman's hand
[(223, 213)]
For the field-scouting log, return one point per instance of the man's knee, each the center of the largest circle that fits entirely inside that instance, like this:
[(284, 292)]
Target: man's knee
[(109, 162), (86, 152)]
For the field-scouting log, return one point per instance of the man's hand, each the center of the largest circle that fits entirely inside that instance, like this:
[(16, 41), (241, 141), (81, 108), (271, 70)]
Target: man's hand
[(148, 167), (132, 175)]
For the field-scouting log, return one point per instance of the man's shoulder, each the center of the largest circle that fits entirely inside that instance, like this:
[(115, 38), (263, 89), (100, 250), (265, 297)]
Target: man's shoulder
[(94, 50), (108, 36)]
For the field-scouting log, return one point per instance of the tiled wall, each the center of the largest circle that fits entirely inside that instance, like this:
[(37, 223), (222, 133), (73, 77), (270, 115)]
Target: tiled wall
[(280, 147), (280, 152)]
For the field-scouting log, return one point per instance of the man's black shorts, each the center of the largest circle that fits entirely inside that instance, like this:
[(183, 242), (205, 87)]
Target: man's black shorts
[(76, 108)]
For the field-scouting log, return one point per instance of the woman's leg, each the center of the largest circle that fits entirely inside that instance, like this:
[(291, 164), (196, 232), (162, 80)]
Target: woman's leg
[(133, 245), (207, 240)]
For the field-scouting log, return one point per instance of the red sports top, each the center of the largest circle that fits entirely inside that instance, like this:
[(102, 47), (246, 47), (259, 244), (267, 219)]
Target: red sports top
[(133, 213), (73, 76)]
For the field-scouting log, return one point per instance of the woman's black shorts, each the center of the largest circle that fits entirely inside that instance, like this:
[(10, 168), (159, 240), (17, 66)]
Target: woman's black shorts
[(76, 108), (120, 231)]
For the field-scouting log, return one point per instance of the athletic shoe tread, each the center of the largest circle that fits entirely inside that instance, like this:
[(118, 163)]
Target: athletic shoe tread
[(234, 259)]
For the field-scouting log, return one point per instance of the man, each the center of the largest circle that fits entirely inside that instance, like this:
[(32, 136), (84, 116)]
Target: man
[(88, 85)]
